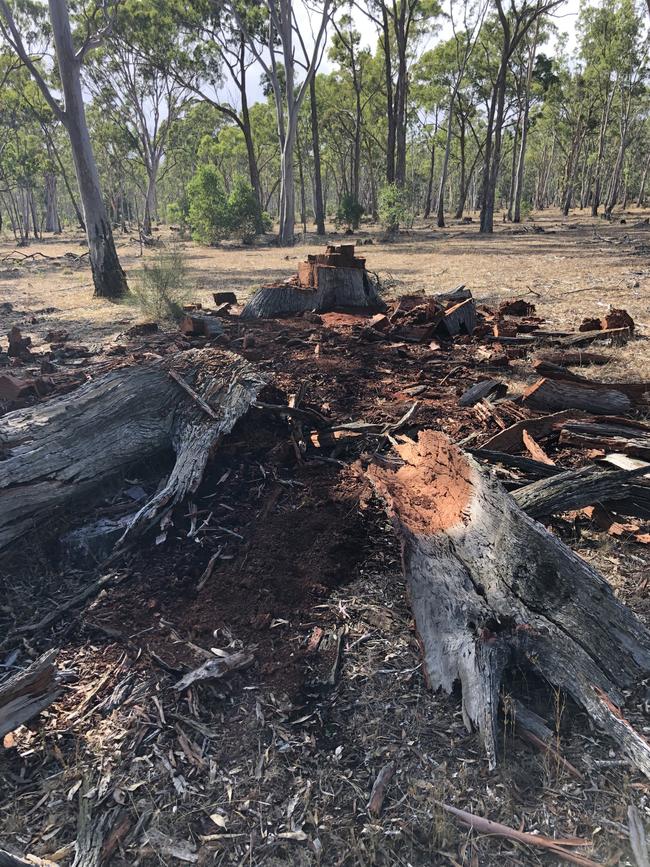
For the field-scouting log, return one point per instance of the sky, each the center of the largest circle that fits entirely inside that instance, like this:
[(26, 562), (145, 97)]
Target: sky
[(565, 20)]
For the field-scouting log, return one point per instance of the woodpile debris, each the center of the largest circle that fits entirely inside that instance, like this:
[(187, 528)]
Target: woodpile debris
[(492, 589)]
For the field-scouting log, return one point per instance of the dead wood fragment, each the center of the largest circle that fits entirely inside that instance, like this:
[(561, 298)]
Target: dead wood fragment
[(554, 394), (536, 451), (618, 336), (575, 358), (511, 439), (379, 788), (489, 586), (611, 437), (573, 489), (26, 694), (528, 466), (636, 391), (216, 668), (481, 390), (459, 319), (557, 846), (62, 454), (638, 841)]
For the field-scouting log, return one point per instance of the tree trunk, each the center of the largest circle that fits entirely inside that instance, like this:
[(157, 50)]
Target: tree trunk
[(432, 165), (319, 210), (390, 106), (595, 201), (253, 171), (521, 160), (52, 222), (62, 455), (150, 198), (492, 153), (108, 277), (445, 160), (490, 588), (641, 200), (462, 181)]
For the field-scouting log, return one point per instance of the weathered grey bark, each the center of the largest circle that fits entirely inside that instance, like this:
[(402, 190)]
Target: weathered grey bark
[(108, 277), (557, 394), (28, 692), (574, 489), (521, 159), (319, 210), (604, 121), (60, 455), (52, 222), (337, 287), (490, 587)]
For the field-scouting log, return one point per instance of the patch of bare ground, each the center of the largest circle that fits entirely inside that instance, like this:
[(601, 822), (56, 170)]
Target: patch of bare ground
[(275, 764)]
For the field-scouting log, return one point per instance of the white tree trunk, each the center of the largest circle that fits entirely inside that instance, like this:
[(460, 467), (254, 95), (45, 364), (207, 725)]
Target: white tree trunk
[(108, 276)]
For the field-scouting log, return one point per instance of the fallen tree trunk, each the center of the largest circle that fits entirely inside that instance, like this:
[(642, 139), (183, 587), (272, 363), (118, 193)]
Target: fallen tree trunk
[(511, 439), (555, 394), (490, 588), (63, 453), (337, 288), (29, 692), (612, 437)]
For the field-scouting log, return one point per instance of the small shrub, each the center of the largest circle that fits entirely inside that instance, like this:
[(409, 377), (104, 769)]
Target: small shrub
[(162, 286), (349, 212), (214, 216), (392, 208), (208, 206)]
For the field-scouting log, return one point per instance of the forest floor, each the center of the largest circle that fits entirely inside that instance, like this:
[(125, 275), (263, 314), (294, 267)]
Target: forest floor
[(275, 764)]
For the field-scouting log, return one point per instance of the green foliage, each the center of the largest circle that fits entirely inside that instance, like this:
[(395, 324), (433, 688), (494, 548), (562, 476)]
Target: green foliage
[(349, 212), (392, 207), (213, 215), (208, 206), (162, 286)]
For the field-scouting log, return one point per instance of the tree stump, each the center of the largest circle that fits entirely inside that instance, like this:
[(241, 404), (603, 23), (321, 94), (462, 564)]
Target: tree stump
[(335, 287), (491, 588), (61, 454)]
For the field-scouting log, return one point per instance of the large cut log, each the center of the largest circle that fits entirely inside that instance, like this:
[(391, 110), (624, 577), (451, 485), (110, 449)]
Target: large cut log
[(638, 392), (336, 288), (59, 456), (492, 588), (555, 394), (26, 694), (574, 489)]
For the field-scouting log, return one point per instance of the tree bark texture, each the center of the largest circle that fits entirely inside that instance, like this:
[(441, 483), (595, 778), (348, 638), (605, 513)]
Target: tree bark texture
[(337, 287), (63, 454), (491, 588), (108, 277)]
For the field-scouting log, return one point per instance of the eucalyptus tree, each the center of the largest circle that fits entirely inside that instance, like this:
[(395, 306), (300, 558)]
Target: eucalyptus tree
[(71, 52), (513, 23), (283, 53), (130, 78)]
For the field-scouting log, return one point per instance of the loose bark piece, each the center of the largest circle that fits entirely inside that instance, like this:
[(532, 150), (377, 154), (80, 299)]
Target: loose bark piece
[(63, 453), (536, 451), (511, 439), (379, 788), (489, 586), (215, 668), (29, 692), (550, 394), (573, 489), (481, 390), (336, 288)]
